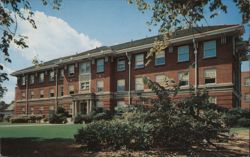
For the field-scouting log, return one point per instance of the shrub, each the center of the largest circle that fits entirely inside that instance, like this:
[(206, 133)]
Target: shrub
[(87, 118), (78, 119), (104, 115), (59, 117), (20, 119), (243, 122), (113, 135)]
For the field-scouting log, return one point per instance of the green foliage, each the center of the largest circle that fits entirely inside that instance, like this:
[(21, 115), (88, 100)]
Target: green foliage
[(237, 117), (112, 135), (184, 124), (26, 119), (59, 117)]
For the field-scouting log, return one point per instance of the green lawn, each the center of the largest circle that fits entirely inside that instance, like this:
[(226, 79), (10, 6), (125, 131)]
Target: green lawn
[(65, 131)]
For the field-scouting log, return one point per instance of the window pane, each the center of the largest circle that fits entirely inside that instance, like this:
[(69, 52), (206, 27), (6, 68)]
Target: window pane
[(120, 65), (212, 100), (183, 78), (32, 79), (85, 68), (100, 65), (139, 61), (139, 83), (85, 85), (23, 80), (247, 81), (121, 85), (160, 58), (247, 97), (210, 49), (210, 73), (183, 53), (99, 104), (99, 85), (71, 70), (41, 77)]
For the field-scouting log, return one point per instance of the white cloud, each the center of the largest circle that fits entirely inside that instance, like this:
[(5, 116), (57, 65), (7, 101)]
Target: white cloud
[(53, 38)]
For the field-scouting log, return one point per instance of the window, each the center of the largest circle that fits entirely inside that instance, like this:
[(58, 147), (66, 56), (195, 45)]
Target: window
[(23, 80), (139, 83), (183, 53), (41, 77), (210, 49), (183, 78), (61, 74), (51, 108), (31, 94), (61, 91), (120, 85), (160, 78), (210, 76), (85, 85), (51, 93), (85, 68), (212, 100), (247, 81), (100, 65), (71, 89), (51, 76), (32, 79), (71, 70), (160, 58), (99, 104), (139, 61), (121, 64), (120, 104), (99, 85), (23, 95), (247, 97), (42, 93)]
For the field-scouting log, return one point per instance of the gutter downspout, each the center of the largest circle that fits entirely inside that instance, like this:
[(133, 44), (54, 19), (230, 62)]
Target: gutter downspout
[(56, 100), (27, 96), (196, 69), (129, 77)]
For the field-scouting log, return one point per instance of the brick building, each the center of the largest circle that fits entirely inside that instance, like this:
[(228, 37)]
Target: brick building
[(245, 89), (111, 76)]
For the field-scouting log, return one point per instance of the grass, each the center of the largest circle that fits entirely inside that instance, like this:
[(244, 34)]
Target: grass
[(63, 131)]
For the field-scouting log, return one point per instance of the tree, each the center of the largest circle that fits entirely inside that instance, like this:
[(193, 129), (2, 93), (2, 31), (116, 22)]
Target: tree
[(10, 10), (172, 15)]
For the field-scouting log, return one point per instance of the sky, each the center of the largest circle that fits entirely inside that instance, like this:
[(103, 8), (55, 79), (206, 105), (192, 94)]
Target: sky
[(81, 25)]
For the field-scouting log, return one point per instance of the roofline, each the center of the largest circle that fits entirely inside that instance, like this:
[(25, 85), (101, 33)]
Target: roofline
[(133, 48)]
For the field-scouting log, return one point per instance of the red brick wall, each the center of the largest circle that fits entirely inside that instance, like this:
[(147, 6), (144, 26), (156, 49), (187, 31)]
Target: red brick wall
[(244, 90)]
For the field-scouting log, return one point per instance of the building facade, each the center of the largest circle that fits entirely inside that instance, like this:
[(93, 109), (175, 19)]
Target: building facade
[(113, 76), (245, 90)]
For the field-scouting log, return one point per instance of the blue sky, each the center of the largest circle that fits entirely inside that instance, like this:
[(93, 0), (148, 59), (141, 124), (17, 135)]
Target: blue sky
[(84, 24)]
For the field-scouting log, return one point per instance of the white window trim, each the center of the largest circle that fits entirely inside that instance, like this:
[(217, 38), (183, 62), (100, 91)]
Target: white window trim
[(99, 87), (124, 85), (182, 47), (119, 60), (103, 65), (158, 55), (85, 66), (136, 85), (180, 79), (205, 57), (207, 84), (136, 56)]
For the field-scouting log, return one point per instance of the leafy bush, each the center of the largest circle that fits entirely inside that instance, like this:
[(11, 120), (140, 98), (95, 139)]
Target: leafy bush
[(59, 117), (237, 117), (113, 135), (104, 115), (181, 124), (243, 122), (78, 119), (20, 119)]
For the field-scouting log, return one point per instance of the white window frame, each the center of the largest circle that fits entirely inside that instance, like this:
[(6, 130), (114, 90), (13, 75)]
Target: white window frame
[(41, 77), (139, 61), (32, 79), (84, 68), (99, 104), (121, 64), (121, 84), (51, 91), (85, 85), (246, 95), (139, 85), (71, 89), (160, 56), (52, 75), (209, 46), (71, 70), (183, 51), (23, 80), (184, 76), (99, 86), (212, 98), (100, 65), (207, 77), (247, 83), (41, 93)]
